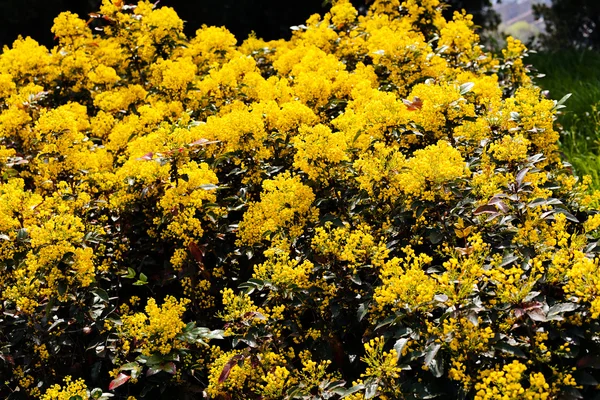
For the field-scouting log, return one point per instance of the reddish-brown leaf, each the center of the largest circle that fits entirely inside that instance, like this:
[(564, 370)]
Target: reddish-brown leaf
[(486, 209), (118, 381), (227, 367), (197, 252), (414, 105), (147, 156)]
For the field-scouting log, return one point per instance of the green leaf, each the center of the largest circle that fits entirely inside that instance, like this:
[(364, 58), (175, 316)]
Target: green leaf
[(435, 236), (555, 312), (430, 353), (567, 214), (208, 186), (512, 350), (96, 393), (169, 368), (101, 293), (437, 365), (343, 392), (62, 288), (371, 387), (363, 309), (583, 378), (335, 221), (129, 366), (559, 104), (386, 322), (508, 259), (399, 345), (130, 273), (465, 88)]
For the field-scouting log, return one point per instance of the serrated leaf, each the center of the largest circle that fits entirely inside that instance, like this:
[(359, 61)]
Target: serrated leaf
[(437, 365), (501, 205), (435, 236), (203, 142), (153, 371), (216, 334), (386, 322), (537, 202), (473, 319), (414, 105), (197, 252)]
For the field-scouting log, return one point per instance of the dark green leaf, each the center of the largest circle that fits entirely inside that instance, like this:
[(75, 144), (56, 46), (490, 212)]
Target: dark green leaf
[(371, 387), (512, 350), (399, 345)]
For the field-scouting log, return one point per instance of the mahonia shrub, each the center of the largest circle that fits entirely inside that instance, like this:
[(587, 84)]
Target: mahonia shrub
[(375, 208)]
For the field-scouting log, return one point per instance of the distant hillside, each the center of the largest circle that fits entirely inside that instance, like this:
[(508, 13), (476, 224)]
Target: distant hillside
[(518, 19), (512, 11)]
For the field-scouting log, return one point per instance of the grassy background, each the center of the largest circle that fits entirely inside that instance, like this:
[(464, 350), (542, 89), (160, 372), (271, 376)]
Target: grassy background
[(577, 73)]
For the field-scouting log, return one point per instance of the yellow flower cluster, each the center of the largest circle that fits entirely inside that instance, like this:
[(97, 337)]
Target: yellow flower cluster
[(286, 204), (285, 273), (405, 284), (357, 246), (378, 176), (269, 378), (506, 384), (157, 329), (72, 388)]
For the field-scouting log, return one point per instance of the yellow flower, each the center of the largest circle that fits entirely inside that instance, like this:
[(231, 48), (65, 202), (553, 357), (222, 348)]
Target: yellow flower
[(286, 204)]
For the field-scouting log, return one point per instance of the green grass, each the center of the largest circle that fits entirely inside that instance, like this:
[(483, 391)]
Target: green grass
[(577, 73)]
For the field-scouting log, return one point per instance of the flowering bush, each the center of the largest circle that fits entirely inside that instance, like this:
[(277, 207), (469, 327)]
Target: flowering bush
[(374, 208)]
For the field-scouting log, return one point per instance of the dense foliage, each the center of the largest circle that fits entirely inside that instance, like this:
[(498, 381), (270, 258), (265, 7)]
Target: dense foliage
[(374, 208)]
